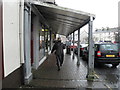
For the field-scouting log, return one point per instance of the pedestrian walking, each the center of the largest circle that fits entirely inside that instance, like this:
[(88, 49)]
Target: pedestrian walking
[(58, 49), (68, 50)]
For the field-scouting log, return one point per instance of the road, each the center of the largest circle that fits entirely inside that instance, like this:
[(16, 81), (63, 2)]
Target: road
[(108, 75)]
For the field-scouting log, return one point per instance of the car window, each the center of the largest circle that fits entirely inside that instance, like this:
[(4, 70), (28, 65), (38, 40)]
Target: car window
[(74, 44), (95, 47), (111, 47), (80, 46)]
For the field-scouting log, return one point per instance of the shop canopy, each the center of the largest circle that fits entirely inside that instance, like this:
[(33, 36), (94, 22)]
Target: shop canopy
[(62, 20)]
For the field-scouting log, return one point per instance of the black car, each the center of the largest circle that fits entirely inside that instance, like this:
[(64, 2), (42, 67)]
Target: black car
[(106, 53), (82, 46)]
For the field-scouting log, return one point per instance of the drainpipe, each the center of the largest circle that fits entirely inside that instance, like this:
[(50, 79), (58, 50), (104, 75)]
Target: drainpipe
[(21, 37), (21, 28)]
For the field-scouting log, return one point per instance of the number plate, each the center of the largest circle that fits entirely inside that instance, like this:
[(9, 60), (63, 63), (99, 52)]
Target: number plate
[(110, 55)]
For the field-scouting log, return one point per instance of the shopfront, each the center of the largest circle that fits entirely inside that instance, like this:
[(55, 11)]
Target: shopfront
[(44, 46)]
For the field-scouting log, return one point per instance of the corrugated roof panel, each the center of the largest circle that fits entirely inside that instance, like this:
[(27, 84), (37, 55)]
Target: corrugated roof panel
[(63, 20)]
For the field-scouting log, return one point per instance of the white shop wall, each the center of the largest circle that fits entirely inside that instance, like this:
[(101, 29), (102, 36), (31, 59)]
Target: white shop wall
[(11, 36)]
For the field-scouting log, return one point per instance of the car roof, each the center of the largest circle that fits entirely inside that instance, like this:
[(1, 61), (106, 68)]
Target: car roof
[(107, 44), (84, 45)]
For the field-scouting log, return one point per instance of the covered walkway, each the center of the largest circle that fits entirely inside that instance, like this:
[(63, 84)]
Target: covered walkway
[(53, 20), (71, 76)]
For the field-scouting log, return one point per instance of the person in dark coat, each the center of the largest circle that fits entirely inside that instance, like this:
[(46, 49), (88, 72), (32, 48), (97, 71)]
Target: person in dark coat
[(58, 48)]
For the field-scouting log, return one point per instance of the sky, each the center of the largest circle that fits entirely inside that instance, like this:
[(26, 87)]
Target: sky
[(106, 11)]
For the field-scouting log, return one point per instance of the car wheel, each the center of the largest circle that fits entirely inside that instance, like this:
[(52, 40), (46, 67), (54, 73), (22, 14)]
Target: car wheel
[(115, 65)]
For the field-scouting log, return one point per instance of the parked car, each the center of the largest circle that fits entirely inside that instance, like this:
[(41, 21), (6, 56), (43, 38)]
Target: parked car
[(105, 54), (85, 53), (82, 46), (73, 46)]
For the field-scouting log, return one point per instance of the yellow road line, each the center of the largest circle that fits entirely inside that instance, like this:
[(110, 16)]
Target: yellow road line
[(108, 86), (96, 75), (104, 84)]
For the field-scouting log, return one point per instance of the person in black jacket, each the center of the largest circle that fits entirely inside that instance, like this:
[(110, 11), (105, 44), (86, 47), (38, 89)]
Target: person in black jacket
[(58, 48)]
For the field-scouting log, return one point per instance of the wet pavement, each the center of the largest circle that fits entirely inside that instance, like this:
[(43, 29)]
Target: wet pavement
[(109, 74), (73, 76)]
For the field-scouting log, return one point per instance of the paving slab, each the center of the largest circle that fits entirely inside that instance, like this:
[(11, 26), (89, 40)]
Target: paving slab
[(71, 76)]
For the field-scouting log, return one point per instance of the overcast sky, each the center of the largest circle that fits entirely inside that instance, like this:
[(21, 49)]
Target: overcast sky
[(106, 11)]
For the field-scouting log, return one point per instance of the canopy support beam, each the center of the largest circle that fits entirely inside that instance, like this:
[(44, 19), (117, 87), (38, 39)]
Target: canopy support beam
[(27, 45), (73, 45), (78, 62), (90, 74)]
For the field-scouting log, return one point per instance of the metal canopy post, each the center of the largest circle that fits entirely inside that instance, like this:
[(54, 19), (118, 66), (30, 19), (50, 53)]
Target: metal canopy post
[(90, 74), (118, 38), (78, 62), (46, 44), (73, 45), (44, 41), (50, 40), (27, 45)]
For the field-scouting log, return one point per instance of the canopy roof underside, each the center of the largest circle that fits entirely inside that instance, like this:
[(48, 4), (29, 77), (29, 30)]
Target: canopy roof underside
[(62, 20)]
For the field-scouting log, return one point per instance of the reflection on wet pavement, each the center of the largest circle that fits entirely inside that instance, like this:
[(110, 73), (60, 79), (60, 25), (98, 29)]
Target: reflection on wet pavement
[(73, 75)]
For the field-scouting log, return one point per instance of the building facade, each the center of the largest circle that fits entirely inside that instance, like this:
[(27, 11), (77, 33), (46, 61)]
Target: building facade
[(26, 42), (106, 35)]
